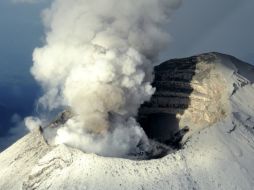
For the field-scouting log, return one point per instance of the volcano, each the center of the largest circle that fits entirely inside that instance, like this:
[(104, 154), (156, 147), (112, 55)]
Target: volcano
[(200, 121)]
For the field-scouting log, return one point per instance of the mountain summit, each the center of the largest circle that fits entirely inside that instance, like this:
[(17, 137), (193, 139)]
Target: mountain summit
[(210, 94)]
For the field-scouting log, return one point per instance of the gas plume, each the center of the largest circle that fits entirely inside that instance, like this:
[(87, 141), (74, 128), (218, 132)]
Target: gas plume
[(98, 61)]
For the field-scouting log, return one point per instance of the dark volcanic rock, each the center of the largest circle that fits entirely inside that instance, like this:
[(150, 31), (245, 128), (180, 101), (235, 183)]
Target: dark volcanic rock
[(185, 89)]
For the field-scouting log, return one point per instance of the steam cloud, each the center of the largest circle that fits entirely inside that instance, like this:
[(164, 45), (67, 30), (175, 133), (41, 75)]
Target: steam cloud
[(97, 60)]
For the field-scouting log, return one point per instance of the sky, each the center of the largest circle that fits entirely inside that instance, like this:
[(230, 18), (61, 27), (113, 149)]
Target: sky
[(226, 26), (198, 26)]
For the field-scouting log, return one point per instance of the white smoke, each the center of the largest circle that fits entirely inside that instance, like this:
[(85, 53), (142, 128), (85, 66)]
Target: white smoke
[(97, 60), (32, 123)]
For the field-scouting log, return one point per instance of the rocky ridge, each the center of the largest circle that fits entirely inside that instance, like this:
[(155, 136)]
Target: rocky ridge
[(193, 90)]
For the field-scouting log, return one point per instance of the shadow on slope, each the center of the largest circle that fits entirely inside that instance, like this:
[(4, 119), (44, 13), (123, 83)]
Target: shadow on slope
[(158, 117)]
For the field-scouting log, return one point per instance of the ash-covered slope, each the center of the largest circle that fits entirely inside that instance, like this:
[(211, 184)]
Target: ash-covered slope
[(211, 93)]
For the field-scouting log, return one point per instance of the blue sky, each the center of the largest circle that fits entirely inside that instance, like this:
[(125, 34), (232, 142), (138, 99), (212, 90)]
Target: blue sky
[(20, 31), (198, 26)]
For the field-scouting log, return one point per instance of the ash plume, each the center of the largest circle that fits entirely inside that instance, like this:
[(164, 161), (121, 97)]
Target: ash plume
[(97, 60)]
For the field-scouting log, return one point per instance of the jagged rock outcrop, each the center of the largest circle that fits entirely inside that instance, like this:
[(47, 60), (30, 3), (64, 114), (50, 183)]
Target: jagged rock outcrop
[(192, 91)]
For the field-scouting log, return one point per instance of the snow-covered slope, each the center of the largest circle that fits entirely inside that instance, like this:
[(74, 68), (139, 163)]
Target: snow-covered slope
[(218, 156), (17, 161)]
